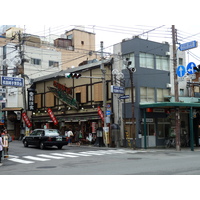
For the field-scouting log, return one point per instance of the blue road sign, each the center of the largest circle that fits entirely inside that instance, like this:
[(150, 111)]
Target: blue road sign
[(180, 71), (108, 112), (188, 45), (117, 89), (125, 97), (190, 68), (12, 81)]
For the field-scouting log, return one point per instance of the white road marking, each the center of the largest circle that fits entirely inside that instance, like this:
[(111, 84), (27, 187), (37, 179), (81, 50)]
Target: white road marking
[(64, 155), (92, 152), (35, 158), (21, 161), (49, 156), (78, 154)]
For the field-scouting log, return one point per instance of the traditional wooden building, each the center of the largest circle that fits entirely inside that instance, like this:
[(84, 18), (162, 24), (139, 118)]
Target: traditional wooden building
[(75, 102)]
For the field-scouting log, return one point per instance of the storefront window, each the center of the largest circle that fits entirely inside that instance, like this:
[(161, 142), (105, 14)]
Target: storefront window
[(163, 128)]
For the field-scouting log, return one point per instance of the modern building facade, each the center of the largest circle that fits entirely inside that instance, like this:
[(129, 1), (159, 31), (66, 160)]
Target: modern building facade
[(153, 84)]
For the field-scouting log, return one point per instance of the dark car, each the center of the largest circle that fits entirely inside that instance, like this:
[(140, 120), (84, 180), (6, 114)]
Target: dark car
[(45, 138)]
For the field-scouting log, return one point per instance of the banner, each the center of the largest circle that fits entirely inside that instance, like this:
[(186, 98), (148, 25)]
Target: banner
[(26, 119), (55, 121), (100, 113), (31, 96)]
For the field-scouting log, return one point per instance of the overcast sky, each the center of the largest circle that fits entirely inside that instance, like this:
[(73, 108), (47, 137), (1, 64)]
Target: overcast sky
[(112, 34)]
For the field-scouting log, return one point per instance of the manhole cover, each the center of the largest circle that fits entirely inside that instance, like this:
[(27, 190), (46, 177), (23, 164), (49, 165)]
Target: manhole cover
[(46, 167)]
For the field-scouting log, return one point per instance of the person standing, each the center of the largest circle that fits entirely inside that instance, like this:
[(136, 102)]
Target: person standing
[(70, 135), (77, 138), (1, 149)]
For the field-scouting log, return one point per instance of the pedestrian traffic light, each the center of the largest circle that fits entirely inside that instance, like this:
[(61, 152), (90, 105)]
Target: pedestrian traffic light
[(72, 75), (197, 68)]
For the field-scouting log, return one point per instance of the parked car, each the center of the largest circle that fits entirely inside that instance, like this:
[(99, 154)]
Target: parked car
[(44, 138)]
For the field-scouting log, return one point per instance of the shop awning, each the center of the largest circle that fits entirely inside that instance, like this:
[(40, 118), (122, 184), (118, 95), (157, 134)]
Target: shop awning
[(169, 104), (12, 109), (189, 106)]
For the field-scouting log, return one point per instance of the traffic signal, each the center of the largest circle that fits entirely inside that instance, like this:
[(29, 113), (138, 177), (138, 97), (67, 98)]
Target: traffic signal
[(197, 68), (72, 75)]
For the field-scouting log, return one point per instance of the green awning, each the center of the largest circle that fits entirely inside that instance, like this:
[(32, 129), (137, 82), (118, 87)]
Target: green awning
[(169, 104)]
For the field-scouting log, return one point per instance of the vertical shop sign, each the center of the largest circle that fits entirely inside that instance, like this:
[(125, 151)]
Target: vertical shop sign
[(55, 121), (26, 120), (31, 95), (100, 113)]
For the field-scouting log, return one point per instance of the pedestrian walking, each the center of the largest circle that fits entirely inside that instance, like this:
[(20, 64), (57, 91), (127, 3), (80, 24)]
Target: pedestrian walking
[(1, 149)]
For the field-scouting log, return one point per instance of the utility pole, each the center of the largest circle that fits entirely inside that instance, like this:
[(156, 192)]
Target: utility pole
[(104, 94), (176, 95), (131, 71), (21, 53)]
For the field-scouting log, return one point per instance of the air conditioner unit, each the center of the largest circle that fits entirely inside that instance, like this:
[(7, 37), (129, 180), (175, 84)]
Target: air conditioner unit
[(168, 85), (167, 53)]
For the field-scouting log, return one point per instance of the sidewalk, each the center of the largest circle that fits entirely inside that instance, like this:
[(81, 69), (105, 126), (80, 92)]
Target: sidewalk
[(126, 148)]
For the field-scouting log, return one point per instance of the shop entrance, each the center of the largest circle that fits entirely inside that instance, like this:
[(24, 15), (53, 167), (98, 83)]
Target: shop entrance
[(151, 135)]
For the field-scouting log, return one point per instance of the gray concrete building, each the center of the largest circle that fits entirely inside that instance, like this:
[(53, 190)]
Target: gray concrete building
[(153, 86)]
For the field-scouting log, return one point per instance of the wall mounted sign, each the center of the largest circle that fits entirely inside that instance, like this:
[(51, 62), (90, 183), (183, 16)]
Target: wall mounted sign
[(31, 95), (100, 113), (55, 121), (26, 120), (12, 81), (64, 97), (62, 87)]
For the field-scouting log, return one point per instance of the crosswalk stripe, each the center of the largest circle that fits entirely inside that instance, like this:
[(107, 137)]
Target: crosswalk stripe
[(92, 152), (105, 152), (20, 161), (64, 155), (116, 151), (77, 154), (35, 158), (49, 156)]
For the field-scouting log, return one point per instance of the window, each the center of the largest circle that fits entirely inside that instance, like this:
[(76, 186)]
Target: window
[(78, 97), (181, 92), (163, 130), (147, 94), (162, 63), (81, 94), (147, 60), (35, 61), (180, 60), (161, 93), (53, 64), (69, 37)]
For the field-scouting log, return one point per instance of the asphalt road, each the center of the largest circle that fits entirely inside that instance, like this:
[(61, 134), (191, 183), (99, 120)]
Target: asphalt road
[(89, 160)]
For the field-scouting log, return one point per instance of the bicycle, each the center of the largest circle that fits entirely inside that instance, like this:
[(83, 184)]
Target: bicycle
[(170, 142)]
